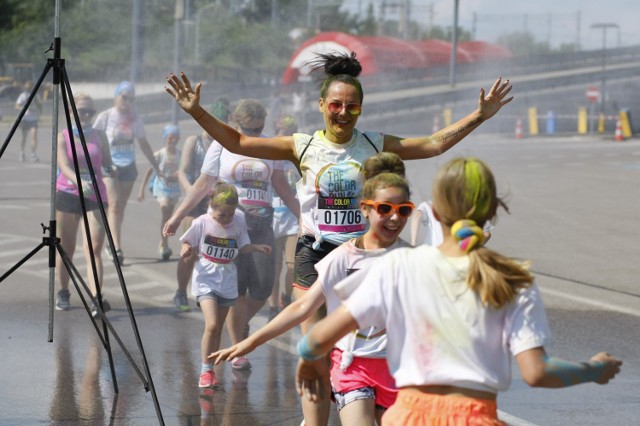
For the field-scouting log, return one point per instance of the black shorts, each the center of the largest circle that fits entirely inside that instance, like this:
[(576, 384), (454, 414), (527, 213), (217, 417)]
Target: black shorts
[(70, 203), (28, 124), (256, 271), (305, 273), (126, 173)]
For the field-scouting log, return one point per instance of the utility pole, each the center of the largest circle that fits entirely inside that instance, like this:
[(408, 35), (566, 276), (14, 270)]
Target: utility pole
[(177, 63), (136, 51), (604, 27), (454, 45)]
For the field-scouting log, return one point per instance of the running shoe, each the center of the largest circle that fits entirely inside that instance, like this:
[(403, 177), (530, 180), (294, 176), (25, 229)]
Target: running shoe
[(241, 363), (164, 253), (181, 301), (62, 301), (120, 256), (34, 158), (106, 307), (21, 157), (208, 380)]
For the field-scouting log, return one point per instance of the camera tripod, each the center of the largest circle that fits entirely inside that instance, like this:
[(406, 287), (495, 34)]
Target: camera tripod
[(62, 86)]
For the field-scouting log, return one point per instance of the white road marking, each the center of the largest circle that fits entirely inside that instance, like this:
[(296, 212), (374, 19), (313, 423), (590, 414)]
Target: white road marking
[(591, 302)]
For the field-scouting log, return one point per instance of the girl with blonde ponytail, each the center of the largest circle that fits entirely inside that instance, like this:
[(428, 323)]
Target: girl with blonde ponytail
[(454, 316), (494, 277)]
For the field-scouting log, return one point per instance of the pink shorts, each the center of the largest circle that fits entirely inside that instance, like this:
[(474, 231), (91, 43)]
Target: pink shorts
[(364, 373), (417, 408)]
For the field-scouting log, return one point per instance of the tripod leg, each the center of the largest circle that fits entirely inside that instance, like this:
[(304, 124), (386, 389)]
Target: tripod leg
[(23, 260)]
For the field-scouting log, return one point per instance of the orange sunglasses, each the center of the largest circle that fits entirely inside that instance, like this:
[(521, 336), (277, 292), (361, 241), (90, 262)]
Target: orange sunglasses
[(385, 209)]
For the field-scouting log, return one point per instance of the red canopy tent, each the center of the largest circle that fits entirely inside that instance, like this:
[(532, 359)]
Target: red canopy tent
[(376, 54), (483, 51), (385, 54), (438, 52)]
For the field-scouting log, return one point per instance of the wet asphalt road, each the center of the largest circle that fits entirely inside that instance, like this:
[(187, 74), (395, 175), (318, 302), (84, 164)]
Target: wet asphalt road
[(574, 204)]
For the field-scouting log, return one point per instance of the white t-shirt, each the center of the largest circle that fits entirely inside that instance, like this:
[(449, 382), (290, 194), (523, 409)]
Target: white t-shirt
[(122, 130), (218, 246), (438, 330), (251, 176), (332, 179), (284, 222), (169, 186), (370, 342), (33, 112)]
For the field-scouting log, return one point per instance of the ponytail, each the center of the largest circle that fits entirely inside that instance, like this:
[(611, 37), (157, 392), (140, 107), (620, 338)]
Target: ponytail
[(465, 198)]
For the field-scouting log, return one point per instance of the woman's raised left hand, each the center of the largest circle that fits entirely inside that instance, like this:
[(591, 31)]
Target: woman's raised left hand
[(490, 104)]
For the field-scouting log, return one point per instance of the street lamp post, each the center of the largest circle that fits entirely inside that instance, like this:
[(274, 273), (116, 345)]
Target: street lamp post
[(177, 43), (454, 46), (136, 50), (604, 27)]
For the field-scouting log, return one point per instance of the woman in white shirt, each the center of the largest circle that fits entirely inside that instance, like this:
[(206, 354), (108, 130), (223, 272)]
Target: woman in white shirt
[(330, 160)]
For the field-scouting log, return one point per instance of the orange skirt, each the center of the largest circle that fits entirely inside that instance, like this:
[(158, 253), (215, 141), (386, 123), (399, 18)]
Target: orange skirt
[(415, 408)]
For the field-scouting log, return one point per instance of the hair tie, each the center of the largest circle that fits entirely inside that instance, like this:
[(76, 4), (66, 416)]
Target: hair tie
[(468, 234)]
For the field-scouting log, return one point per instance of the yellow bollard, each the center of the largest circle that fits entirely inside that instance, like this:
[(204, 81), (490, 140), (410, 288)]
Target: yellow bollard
[(447, 114), (624, 121), (601, 123), (533, 121), (582, 121)]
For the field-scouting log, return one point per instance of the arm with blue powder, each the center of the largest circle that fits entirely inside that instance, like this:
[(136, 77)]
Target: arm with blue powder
[(540, 370)]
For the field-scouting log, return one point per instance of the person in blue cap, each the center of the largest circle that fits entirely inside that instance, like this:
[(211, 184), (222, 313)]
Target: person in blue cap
[(123, 127), (166, 189)]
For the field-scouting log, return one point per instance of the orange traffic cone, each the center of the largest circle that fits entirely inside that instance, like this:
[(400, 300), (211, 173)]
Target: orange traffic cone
[(519, 133), (436, 123), (618, 135)]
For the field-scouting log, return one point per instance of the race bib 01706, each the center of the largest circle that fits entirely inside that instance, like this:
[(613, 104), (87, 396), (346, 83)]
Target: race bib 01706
[(338, 208)]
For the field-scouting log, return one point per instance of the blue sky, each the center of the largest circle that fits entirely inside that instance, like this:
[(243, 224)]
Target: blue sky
[(555, 21)]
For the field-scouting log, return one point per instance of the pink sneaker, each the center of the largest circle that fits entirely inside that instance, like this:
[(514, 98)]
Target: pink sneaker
[(241, 363), (208, 380)]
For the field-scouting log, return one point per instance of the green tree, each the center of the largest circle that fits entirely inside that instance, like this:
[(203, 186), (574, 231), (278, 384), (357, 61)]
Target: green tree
[(368, 26), (444, 33), (523, 44)]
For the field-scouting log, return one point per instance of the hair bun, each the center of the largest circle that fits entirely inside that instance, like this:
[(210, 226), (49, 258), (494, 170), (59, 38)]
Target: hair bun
[(337, 63), (383, 162)]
